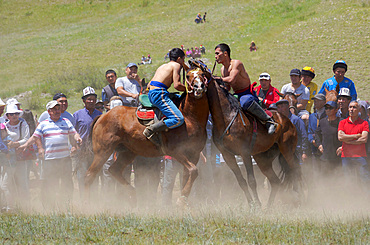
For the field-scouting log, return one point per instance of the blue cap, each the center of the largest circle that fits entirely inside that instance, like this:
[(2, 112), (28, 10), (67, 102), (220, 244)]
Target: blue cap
[(332, 104), (131, 65), (341, 64)]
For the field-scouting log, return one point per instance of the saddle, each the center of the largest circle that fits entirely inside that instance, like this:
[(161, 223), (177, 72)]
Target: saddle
[(148, 114)]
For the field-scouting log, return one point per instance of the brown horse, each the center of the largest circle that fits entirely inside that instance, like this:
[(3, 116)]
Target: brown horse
[(237, 133), (331, 95), (293, 101), (120, 130)]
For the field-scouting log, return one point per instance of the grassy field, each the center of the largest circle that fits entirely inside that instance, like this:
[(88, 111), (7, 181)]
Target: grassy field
[(227, 226), (50, 46)]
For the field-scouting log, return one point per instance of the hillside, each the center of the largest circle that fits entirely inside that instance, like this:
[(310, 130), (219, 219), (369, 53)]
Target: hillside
[(64, 45)]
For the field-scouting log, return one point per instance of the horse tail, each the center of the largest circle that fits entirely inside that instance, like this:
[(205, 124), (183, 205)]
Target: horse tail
[(287, 174)]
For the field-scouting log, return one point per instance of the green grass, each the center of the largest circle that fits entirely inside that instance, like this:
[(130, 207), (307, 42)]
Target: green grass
[(49, 46), (227, 226)]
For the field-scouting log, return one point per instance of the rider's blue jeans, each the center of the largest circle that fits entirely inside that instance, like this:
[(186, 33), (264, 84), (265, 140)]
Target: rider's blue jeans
[(160, 98)]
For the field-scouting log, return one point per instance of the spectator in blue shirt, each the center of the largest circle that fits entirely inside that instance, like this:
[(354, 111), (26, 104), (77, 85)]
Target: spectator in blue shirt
[(84, 118), (313, 121), (302, 142), (339, 69)]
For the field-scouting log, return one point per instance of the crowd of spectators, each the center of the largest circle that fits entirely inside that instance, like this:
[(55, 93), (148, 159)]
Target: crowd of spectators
[(333, 139)]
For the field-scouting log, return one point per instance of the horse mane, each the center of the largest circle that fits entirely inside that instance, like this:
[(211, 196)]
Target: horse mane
[(178, 100), (234, 103)]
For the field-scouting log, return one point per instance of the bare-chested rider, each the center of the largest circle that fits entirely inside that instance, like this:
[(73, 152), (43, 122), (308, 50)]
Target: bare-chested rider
[(234, 74), (158, 95)]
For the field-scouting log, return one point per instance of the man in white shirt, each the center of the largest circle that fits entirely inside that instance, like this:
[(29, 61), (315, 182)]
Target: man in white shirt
[(299, 89), (129, 87)]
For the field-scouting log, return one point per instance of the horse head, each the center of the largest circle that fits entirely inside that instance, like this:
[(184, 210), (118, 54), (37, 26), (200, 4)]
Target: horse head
[(196, 80), (292, 98), (331, 95)]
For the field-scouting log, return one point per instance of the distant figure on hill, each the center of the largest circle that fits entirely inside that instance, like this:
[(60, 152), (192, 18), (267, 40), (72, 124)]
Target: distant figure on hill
[(202, 49), (167, 56), (189, 53), (198, 19), (197, 53), (204, 17), (253, 46)]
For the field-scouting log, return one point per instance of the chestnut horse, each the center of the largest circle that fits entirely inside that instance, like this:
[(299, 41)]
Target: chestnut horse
[(293, 101), (331, 95), (238, 133), (120, 130)]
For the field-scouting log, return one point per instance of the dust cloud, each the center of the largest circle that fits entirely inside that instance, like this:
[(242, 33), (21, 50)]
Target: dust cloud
[(215, 189)]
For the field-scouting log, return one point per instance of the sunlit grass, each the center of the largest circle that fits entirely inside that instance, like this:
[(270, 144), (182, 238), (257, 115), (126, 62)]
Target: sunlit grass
[(228, 225)]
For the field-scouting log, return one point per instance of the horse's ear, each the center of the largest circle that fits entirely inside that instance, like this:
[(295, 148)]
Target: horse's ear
[(337, 88), (280, 94), (326, 91)]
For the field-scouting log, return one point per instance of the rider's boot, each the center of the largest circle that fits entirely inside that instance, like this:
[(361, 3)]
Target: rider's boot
[(151, 130), (256, 110)]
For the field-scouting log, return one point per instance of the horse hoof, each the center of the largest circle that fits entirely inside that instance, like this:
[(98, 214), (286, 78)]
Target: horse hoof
[(182, 202)]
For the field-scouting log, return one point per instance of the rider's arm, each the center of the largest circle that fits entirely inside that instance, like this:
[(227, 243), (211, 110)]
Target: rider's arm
[(177, 79)]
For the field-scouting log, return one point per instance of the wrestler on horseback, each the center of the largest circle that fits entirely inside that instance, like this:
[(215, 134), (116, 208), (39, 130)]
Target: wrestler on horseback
[(158, 95), (234, 74)]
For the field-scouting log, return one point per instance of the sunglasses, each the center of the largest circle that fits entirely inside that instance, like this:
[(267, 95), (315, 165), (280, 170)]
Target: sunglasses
[(99, 107), (329, 108), (13, 114)]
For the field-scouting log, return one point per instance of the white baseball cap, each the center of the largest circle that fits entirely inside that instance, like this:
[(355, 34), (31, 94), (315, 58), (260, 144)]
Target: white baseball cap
[(51, 104), (264, 76)]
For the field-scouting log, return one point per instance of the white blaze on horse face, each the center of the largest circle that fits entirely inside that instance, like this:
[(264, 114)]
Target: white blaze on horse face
[(198, 85)]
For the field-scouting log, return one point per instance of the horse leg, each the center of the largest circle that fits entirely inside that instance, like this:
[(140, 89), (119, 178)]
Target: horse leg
[(116, 169), (190, 173), (231, 162), (264, 161), (99, 159), (251, 178)]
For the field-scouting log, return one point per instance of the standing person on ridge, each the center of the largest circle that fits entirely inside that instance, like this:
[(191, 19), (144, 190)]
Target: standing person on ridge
[(234, 74)]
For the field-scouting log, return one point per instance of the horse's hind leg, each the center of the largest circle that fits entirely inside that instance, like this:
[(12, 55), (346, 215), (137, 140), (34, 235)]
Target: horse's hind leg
[(99, 159), (116, 169), (264, 161), (251, 178), (231, 162)]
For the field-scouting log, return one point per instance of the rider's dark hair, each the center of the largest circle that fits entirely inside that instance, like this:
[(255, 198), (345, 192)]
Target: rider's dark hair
[(224, 47), (176, 53), (109, 72)]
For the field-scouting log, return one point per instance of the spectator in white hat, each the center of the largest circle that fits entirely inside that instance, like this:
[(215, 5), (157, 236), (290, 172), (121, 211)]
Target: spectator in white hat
[(84, 118), (344, 98), (266, 93), (57, 133), (16, 181)]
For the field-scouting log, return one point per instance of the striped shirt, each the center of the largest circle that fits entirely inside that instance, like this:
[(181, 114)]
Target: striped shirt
[(55, 136)]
